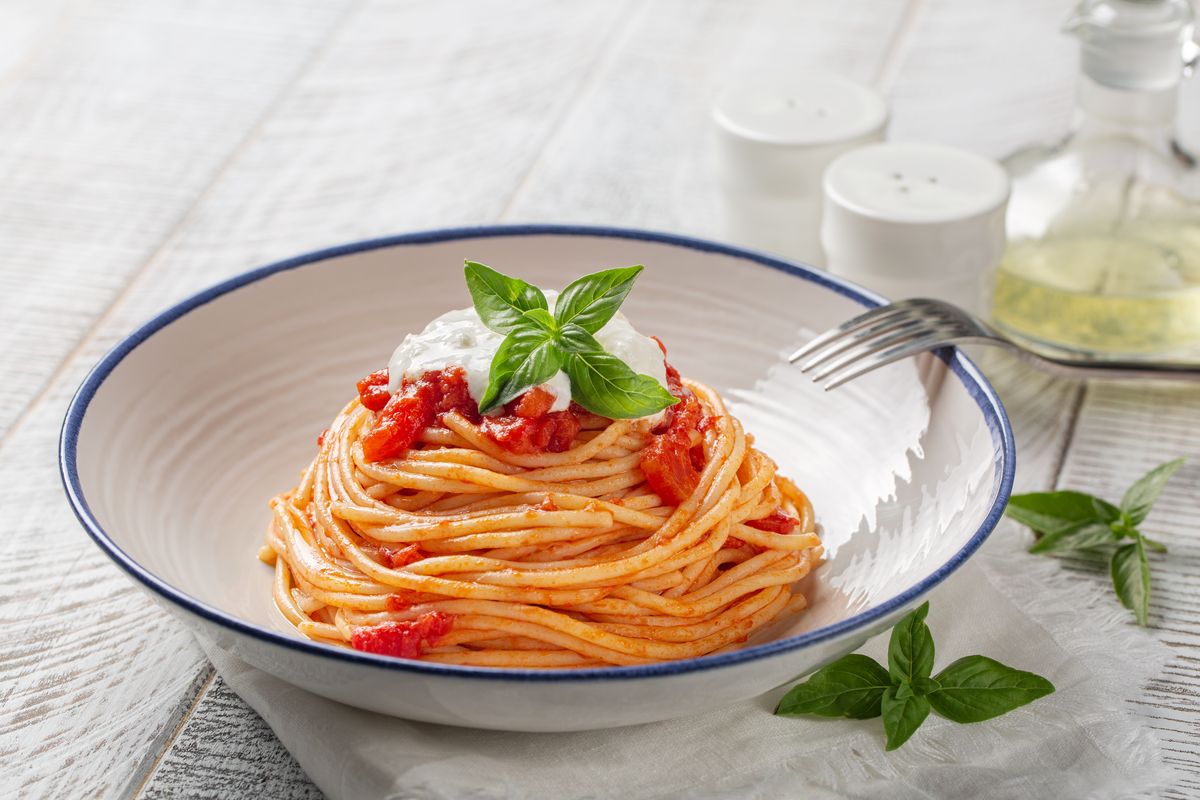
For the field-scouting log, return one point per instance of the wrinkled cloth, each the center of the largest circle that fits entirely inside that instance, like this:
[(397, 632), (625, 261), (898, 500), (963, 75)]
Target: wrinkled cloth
[(1085, 740)]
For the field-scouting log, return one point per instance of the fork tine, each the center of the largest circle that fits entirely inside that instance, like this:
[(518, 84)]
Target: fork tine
[(922, 331), (873, 361), (889, 324), (862, 320)]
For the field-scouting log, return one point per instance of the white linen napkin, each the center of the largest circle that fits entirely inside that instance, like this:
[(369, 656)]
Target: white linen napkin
[(1085, 740)]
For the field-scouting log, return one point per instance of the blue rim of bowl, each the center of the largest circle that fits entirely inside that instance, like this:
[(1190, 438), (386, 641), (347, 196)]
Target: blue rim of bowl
[(974, 382)]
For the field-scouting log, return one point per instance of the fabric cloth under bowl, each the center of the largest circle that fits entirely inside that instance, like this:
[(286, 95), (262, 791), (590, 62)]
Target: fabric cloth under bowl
[(1086, 740)]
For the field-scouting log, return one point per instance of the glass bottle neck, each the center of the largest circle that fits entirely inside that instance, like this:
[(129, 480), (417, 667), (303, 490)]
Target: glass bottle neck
[(1148, 115)]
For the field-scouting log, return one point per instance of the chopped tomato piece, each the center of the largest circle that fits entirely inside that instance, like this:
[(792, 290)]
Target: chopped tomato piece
[(407, 639), (534, 403), (553, 433), (453, 393), (396, 557), (547, 504), (667, 463), (406, 415), (671, 464), (321, 437), (775, 522), (373, 390)]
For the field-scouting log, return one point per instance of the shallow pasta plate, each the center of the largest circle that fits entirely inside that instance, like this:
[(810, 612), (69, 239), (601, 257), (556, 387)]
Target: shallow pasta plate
[(178, 437)]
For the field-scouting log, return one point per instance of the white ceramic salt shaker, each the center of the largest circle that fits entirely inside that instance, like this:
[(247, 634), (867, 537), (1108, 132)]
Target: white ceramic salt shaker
[(775, 137), (916, 220)]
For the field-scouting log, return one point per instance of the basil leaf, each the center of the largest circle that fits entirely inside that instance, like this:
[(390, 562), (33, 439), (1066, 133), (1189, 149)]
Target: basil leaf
[(501, 301), (591, 301), (526, 358), (852, 686), (605, 385), (976, 688), (910, 653), (1140, 497), (541, 318), (1084, 536), (574, 339), (1152, 544), (903, 713), (1131, 579), (1049, 512)]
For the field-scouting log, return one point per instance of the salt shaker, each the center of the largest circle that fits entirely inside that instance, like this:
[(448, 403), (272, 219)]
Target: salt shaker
[(774, 138), (916, 220)]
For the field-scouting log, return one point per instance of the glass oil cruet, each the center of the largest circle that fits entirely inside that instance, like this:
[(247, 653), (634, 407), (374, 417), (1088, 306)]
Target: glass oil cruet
[(1104, 228)]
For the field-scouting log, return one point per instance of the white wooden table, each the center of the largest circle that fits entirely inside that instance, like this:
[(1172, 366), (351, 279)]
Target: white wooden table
[(148, 149)]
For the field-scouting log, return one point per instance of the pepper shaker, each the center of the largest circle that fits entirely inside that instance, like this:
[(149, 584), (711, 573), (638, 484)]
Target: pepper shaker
[(916, 220), (774, 138)]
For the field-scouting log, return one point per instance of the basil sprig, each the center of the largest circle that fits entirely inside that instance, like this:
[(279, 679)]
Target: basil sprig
[(1067, 522), (538, 343), (971, 689)]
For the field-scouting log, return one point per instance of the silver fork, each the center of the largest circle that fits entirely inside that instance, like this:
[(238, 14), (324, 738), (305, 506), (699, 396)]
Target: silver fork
[(904, 328)]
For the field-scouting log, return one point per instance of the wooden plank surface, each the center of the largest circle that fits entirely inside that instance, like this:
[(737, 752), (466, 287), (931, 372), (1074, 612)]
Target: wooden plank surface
[(115, 117), (367, 120), (337, 157)]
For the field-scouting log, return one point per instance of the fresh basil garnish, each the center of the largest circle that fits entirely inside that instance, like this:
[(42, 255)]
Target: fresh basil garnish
[(538, 344), (604, 385), (591, 301), (527, 357), (903, 711), (1073, 522), (976, 688), (1140, 497), (971, 689), (851, 687), (501, 301), (1130, 573), (910, 652), (1054, 511)]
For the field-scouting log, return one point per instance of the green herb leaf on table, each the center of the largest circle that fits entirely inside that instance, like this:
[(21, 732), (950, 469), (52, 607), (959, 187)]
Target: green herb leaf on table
[(910, 653), (1140, 497), (1086, 536), (1069, 522), (500, 300), (971, 689), (1131, 579), (903, 713), (976, 688), (1050, 512), (852, 687)]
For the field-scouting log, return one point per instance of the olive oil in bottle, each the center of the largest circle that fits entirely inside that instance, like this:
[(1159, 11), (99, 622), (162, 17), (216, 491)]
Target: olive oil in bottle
[(1104, 227)]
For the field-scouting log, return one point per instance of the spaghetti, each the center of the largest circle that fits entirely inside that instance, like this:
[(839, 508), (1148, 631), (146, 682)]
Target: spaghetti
[(485, 541)]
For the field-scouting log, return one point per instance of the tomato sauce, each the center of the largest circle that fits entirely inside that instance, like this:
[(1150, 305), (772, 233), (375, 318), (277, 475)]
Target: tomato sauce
[(397, 557), (527, 424), (671, 463), (775, 522), (408, 639)]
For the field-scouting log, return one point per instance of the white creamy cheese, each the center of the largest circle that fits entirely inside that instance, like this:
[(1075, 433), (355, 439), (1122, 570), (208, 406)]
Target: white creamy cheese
[(459, 339)]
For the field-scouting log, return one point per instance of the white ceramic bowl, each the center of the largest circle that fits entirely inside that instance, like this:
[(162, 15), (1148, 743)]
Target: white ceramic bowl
[(178, 437)]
